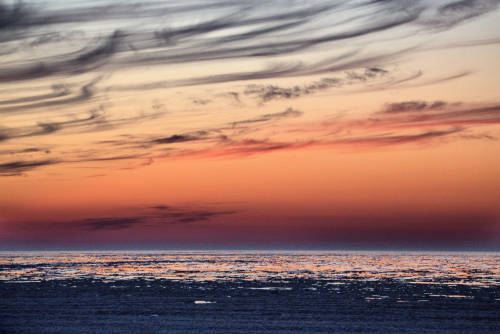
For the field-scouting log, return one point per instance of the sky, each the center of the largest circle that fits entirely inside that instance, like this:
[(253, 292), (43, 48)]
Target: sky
[(250, 124)]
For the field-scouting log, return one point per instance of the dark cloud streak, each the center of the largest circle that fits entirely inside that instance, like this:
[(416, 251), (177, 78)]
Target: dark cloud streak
[(86, 92), (288, 113), (96, 121), (58, 91), (19, 167), (412, 106), (272, 92), (161, 215)]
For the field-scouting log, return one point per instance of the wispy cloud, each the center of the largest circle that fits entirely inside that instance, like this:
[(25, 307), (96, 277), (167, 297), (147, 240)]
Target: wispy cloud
[(50, 100), (289, 113), (57, 91), (434, 114), (272, 92), (25, 150), (453, 13), (248, 147), (176, 139), (395, 139), (413, 106), (19, 167), (96, 120), (46, 128)]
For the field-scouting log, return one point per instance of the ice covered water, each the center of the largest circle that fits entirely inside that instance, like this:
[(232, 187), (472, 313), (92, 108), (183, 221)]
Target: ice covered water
[(249, 292), (474, 268)]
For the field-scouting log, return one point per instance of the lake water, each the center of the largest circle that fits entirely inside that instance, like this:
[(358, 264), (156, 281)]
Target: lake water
[(482, 269), (256, 292)]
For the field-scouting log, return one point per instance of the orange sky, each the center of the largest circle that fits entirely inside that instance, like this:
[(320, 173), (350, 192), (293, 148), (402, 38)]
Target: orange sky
[(329, 124)]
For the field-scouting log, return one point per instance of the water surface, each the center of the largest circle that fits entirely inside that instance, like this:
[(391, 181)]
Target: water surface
[(481, 269)]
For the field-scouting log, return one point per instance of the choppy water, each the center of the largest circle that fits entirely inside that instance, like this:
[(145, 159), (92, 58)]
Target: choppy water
[(481, 269)]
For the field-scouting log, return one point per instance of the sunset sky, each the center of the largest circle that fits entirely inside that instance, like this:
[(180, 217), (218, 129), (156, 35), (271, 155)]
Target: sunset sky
[(250, 124)]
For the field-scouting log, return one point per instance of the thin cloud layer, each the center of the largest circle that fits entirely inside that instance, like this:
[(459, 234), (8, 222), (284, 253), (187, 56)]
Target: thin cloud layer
[(223, 30)]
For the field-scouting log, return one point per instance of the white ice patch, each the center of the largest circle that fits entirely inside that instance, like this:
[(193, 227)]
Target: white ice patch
[(203, 302), (452, 296), (271, 288)]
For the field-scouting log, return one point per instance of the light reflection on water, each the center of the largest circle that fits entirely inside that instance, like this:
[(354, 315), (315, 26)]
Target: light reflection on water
[(414, 267)]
